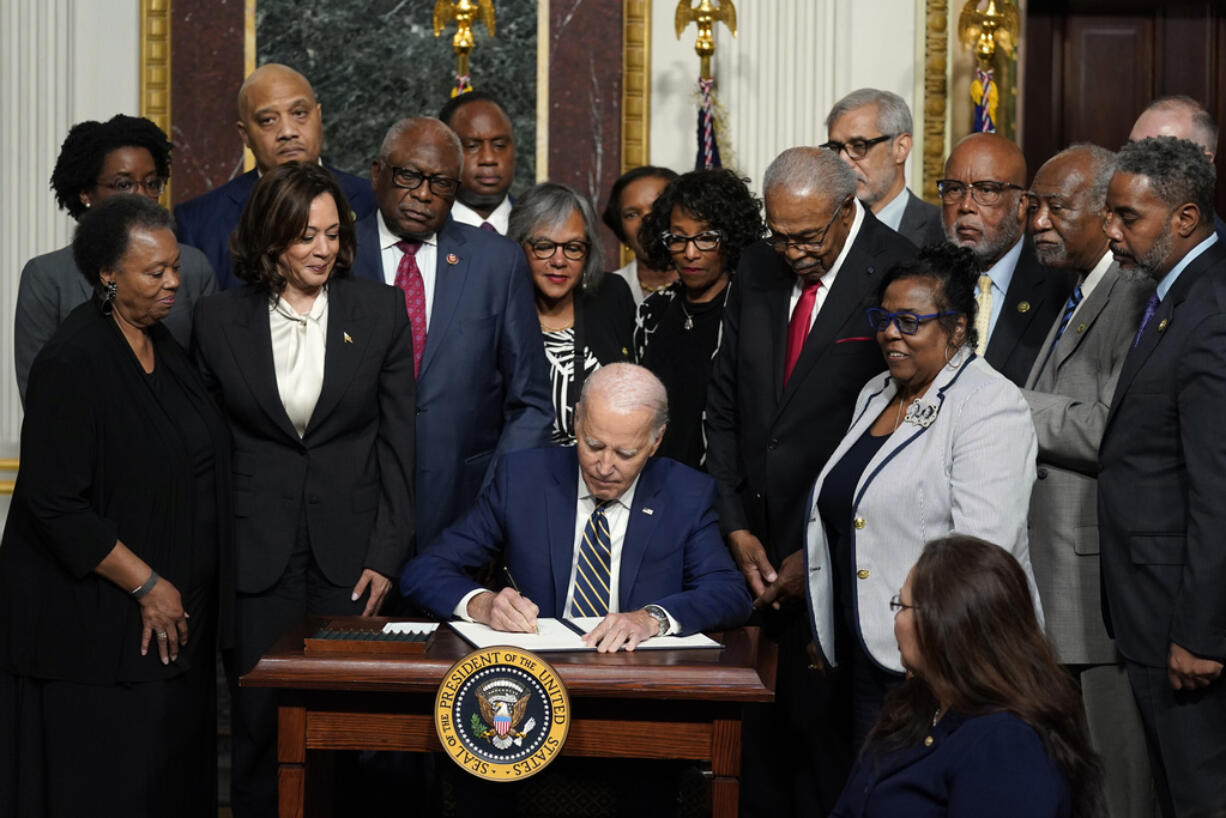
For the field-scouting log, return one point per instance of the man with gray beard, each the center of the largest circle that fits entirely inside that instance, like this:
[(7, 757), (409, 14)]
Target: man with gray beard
[(984, 208), (1069, 390), (1162, 471)]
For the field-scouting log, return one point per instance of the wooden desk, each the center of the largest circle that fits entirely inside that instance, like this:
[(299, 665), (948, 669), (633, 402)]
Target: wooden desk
[(679, 704)]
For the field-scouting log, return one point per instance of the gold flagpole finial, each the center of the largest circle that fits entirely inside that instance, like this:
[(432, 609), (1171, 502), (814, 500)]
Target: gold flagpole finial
[(706, 14), (465, 13)]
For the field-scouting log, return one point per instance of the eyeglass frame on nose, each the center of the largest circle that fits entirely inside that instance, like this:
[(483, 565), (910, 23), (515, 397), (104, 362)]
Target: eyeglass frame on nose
[(781, 245), (153, 185), (704, 242), (895, 318), (537, 247), (430, 180), (848, 147), (995, 191), (897, 606)]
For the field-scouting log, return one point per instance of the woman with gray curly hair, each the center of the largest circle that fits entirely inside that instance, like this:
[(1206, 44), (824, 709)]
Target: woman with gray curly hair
[(585, 315)]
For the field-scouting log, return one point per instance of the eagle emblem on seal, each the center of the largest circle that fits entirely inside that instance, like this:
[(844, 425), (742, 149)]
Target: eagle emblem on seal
[(503, 704)]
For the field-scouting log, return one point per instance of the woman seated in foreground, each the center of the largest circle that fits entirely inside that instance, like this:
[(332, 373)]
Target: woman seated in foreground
[(986, 723)]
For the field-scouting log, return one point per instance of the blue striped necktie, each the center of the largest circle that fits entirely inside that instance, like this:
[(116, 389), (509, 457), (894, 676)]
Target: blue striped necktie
[(592, 574), (1070, 307)]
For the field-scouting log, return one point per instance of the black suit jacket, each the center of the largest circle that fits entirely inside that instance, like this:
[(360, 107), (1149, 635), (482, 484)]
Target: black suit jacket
[(921, 222), (1162, 477), (351, 474), (207, 221), (767, 441), (1036, 295), (102, 461)]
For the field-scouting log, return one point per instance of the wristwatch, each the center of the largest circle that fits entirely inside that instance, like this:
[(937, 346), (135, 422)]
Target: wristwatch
[(657, 613)]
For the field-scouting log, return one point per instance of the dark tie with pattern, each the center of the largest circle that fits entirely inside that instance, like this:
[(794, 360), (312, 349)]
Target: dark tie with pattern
[(592, 574), (1069, 308), (408, 279), (489, 227), (1150, 309)]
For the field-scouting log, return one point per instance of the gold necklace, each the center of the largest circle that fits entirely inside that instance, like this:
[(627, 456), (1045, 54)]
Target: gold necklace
[(546, 328)]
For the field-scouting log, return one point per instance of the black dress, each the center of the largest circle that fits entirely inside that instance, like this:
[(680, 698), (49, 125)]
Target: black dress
[(677, 340), (88, 726)]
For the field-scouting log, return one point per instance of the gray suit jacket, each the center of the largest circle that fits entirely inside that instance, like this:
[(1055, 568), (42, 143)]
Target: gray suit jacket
[(1069, 400), (52, 286), (921, 222)]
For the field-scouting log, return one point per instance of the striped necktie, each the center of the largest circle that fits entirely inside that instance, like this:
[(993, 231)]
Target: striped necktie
[(1069, 308), (592, 574)]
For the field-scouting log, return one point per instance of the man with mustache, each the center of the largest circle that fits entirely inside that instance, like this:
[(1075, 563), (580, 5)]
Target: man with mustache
[(984, 209), (482, 379), (489, 160), (871, 131), (1069, 390), (280, 120), (1161, 471), (796, 348)]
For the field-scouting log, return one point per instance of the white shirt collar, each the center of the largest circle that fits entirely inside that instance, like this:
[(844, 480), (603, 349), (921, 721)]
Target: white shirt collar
[(389, 239), (1096, 275), (1168, 280), (500, 218), (626, 499), (1002, 271), (891, 214)]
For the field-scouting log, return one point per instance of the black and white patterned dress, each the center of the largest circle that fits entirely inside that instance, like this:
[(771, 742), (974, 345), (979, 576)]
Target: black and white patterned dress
[(560, 352)]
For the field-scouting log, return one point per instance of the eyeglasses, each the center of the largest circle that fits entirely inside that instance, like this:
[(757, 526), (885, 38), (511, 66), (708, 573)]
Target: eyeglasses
[(704, 241), (781, 244), (544, 249), (154, 185), (856, 148), (896, 604), (908, 323), (410, 179), (985, 193)]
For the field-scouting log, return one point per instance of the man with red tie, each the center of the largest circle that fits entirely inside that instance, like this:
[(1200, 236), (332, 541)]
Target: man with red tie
[(796, 350), (482, 379)]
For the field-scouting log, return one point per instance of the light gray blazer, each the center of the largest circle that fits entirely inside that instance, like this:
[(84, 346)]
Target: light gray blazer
[(52, 286), (970, 471), (1069, 401)]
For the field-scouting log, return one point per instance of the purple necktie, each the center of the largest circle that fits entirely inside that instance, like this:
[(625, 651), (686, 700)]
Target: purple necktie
[(489, 227), (1150, 309)]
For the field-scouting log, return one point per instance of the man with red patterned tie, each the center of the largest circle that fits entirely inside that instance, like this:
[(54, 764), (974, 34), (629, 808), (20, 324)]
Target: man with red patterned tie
[(482, 379), (796, 350)]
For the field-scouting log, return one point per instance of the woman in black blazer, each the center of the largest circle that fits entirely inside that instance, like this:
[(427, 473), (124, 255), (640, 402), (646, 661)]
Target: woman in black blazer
[(585, 315), (315, 371), (115, 562)]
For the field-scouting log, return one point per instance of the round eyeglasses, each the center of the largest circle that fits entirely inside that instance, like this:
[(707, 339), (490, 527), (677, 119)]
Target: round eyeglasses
[(544, 249)]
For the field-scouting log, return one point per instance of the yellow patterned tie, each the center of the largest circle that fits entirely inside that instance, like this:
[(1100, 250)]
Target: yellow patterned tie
[(983, 315), (592, 574)]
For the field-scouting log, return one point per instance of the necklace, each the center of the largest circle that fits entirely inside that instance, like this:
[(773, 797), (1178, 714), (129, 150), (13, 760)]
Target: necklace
[(546, 328), (689, 319), (648, 289), (898, 414)]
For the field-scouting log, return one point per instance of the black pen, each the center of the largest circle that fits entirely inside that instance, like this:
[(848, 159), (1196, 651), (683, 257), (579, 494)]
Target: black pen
[(514, 585)]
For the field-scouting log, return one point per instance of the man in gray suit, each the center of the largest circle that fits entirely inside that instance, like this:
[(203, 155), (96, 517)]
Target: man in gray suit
[(1069, 390), (871, 131)]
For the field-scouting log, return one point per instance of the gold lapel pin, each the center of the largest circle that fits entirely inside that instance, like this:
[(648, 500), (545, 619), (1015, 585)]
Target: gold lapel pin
[(452, 258), (1023, 307), (1162, 324), (649, 511), (1081, 327), (348, 340)]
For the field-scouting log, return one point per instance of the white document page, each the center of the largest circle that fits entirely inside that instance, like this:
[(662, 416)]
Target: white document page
[(559, 635)]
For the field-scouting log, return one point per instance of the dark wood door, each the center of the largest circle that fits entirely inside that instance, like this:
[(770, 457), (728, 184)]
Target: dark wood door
[(1093, 65)]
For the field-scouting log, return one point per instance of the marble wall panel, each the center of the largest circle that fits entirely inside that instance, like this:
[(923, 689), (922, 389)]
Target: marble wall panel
[(374, 61), (206, 56)]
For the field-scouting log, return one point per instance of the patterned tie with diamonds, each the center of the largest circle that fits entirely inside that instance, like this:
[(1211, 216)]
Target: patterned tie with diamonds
[(592, 574), (408, 279)]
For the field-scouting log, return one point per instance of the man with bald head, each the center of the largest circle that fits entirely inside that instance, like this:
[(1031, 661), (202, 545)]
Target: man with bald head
[(482, 379), (1069, 390), (983, 205), (1183, 118), (279, 119), (795, 351)]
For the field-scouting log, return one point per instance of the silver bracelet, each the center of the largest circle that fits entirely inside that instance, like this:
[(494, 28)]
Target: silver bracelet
[(143, 590)]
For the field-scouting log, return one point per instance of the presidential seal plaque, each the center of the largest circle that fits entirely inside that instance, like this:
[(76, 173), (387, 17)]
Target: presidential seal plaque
[(502, 714)]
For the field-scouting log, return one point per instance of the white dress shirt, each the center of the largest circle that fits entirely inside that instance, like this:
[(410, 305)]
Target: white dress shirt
[(427, 260), (1091, 280), (828, 278), (499, 219), (298, 346), (891, 214)]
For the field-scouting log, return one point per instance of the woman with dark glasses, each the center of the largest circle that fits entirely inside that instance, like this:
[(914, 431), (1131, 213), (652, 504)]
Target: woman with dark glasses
[(940, 442), (587, 317), (699, 224)]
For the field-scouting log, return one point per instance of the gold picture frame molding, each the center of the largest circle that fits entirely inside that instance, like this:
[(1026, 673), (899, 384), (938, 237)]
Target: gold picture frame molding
[(155, 67)]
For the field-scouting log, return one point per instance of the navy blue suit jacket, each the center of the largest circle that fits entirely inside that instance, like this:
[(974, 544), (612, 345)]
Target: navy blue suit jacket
[(207, 221), (483, 388), (672, 556), (987, 765)]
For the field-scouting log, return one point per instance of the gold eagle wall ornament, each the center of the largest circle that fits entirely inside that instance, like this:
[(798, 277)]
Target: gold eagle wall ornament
[(705, 15), (465, 13)]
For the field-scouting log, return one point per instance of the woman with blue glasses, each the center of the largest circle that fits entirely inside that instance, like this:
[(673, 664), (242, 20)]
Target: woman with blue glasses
[(940, 442)]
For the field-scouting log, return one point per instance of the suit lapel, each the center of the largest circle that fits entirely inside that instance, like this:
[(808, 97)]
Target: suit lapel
[(640, 527), (1020, 307), (345, 345), (778, 292), (1084, 319), (561, 499), (449, 281), (250, 340), (239, 193)]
